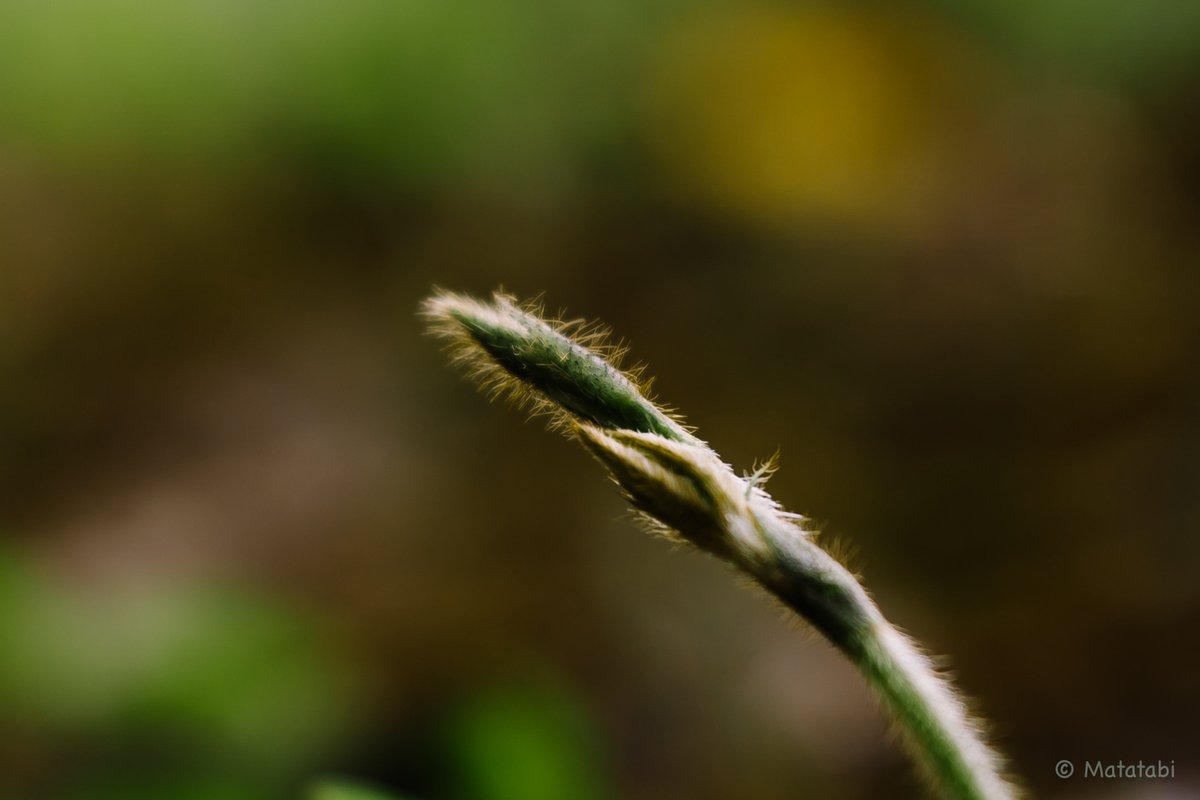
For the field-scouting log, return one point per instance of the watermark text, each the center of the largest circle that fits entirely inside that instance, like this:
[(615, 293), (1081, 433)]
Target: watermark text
[(1117, 770)]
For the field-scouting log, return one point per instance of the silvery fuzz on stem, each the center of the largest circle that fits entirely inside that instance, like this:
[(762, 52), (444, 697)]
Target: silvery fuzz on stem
[(683, 489)]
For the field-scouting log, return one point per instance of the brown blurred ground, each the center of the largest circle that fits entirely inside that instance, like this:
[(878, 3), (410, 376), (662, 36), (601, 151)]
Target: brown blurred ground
[(944, 256)]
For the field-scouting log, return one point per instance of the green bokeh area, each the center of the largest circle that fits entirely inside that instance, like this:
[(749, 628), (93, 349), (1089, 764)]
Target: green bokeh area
[(524, 743), (523, 740), (344, 790), (182, 691), (217, 695), (425, 90), (415, 89)]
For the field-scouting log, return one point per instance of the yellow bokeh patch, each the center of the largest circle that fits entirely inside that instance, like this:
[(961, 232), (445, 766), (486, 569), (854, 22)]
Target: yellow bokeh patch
[(783, 114)]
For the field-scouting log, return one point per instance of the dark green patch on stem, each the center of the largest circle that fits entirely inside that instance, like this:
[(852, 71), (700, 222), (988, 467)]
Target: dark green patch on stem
[(567, 374), (814, 585)]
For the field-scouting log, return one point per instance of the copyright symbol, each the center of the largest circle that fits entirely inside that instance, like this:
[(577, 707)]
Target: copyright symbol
[(1064, 769)]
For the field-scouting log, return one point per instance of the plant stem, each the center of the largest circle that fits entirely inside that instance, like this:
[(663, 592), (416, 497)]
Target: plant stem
[(945, 742), (681, 487)]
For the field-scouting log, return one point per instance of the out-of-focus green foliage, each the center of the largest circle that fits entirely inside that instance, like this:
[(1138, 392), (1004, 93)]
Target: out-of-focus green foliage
[(153, 782), (346, 790), (1151, 40), (418, 89), (195, 669), (524, 743)]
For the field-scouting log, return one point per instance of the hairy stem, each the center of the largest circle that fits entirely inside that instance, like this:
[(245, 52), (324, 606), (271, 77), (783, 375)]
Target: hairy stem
[(681, 487), (944, 740)]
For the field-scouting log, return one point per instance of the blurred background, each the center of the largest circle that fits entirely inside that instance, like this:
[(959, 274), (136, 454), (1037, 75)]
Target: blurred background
[(255, 534)]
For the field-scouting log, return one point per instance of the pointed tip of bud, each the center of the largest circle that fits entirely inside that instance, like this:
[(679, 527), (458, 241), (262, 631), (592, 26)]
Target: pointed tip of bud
[(561, 367)]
